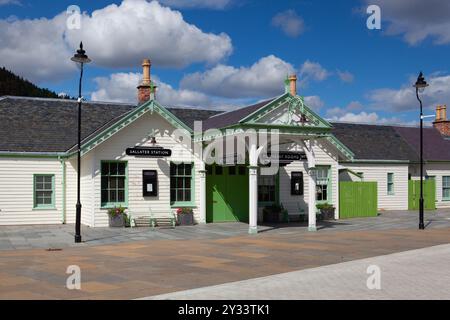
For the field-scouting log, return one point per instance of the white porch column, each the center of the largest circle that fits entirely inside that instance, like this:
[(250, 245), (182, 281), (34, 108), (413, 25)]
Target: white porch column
[(202, 173), (253, 189), (311, 185), (312, 200)]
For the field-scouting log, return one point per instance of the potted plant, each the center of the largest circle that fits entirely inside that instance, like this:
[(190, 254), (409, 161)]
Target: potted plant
[(185, 216), (326, 211), (116, 217), (274, 213)]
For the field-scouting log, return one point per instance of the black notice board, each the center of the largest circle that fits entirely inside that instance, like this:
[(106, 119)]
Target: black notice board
[(297, 183), (149, 183)]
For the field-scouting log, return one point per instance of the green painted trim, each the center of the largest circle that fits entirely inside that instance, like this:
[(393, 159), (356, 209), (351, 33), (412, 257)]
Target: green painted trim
[(340, 146), (390, 181), (377, 161), (279, 101), (32, 155), (151, 105), (108, 205), (187, 204), (63, 185), (44, 207), (329, 184)]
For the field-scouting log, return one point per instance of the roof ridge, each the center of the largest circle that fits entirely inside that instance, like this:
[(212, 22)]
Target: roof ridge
[(379, 124)]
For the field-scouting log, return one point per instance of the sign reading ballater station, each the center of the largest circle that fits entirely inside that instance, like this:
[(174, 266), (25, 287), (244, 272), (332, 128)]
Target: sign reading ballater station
[(149, 152)]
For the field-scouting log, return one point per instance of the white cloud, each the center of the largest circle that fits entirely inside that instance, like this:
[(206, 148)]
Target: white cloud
[(416, 20), (114, 36), (337, 112), (35, 48), (120, 36), (404, 99), (370, 118), (312, 71), (265, 78), (346, 76), (202, 4), (8, 2), (314, 102), (290, 22), (121, 87)]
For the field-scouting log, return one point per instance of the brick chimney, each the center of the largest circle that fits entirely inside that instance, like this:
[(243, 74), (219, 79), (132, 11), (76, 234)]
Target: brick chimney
[(441, 123), (146, 89), (293, 84)]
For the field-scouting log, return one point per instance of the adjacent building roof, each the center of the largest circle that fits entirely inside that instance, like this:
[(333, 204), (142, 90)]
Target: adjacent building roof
[(226, 119), (382, 142), (50, 125), (374, 142)]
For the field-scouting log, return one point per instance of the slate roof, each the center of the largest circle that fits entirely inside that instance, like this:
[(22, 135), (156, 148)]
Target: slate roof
[(50, 125), (232, 117), (381, 142)]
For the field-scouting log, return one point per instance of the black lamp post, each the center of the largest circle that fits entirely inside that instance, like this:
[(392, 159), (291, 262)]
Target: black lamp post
[(81, 58), (420, 85)]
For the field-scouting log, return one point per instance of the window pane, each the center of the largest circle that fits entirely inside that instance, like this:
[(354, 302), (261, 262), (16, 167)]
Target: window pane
[(113, 169), (232, 171), (39, 186), (180, 195), (112, 196), (113, 183), (121, 196), (173, 182), (446, 193), (180, 170), (172, 169), (446, 181), (105, 168), (104, 196), (188, 169), (187, 195), (219, 170), (39, 179), (179, 182), (121, 169), (121, 183), (187, 182)]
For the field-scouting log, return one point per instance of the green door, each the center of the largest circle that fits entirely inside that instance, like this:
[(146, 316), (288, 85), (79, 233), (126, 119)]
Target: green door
[(429, 194), (226, 194)]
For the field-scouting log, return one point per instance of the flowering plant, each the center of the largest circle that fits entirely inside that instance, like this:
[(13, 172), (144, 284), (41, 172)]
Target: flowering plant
[(184, 211), (116, 211)]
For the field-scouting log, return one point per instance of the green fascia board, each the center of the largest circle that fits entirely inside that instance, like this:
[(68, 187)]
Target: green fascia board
[(274, 103), (151, 105), (48, 155), (340, 146), (286, 98), (369, 161)]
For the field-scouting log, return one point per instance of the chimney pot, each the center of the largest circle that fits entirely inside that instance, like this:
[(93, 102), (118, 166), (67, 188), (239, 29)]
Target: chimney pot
[(146, 89), (441, 123), (293, 84)]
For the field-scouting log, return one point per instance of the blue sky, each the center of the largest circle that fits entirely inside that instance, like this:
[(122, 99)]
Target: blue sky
[(228, 53)]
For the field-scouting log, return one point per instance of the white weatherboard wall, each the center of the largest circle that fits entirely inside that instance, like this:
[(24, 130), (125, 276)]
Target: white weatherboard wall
[(378, 173), (325, 156), (437, 170), (16, 191), (138, 133)]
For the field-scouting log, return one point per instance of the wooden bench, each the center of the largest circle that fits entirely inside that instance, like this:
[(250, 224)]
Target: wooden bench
[(154, 218)]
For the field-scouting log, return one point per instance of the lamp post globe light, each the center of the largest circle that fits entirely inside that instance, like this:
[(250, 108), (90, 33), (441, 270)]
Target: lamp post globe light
[(420, 86), (80, 58)]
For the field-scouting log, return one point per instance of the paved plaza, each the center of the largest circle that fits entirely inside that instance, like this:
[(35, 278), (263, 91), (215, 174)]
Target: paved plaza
[(202, 256), (61, 236), (417, 274)]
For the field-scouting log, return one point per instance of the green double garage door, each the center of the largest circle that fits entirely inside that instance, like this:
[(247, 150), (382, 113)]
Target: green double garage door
[(226, 193)]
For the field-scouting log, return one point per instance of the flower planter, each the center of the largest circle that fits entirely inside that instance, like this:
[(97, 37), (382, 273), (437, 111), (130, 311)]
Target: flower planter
[(116, 221), (185, 219), (327, 214)]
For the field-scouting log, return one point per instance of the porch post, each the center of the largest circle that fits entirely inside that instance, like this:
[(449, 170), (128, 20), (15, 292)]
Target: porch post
[(312, 201), (202, 172), (311, 185), (253, 189)]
